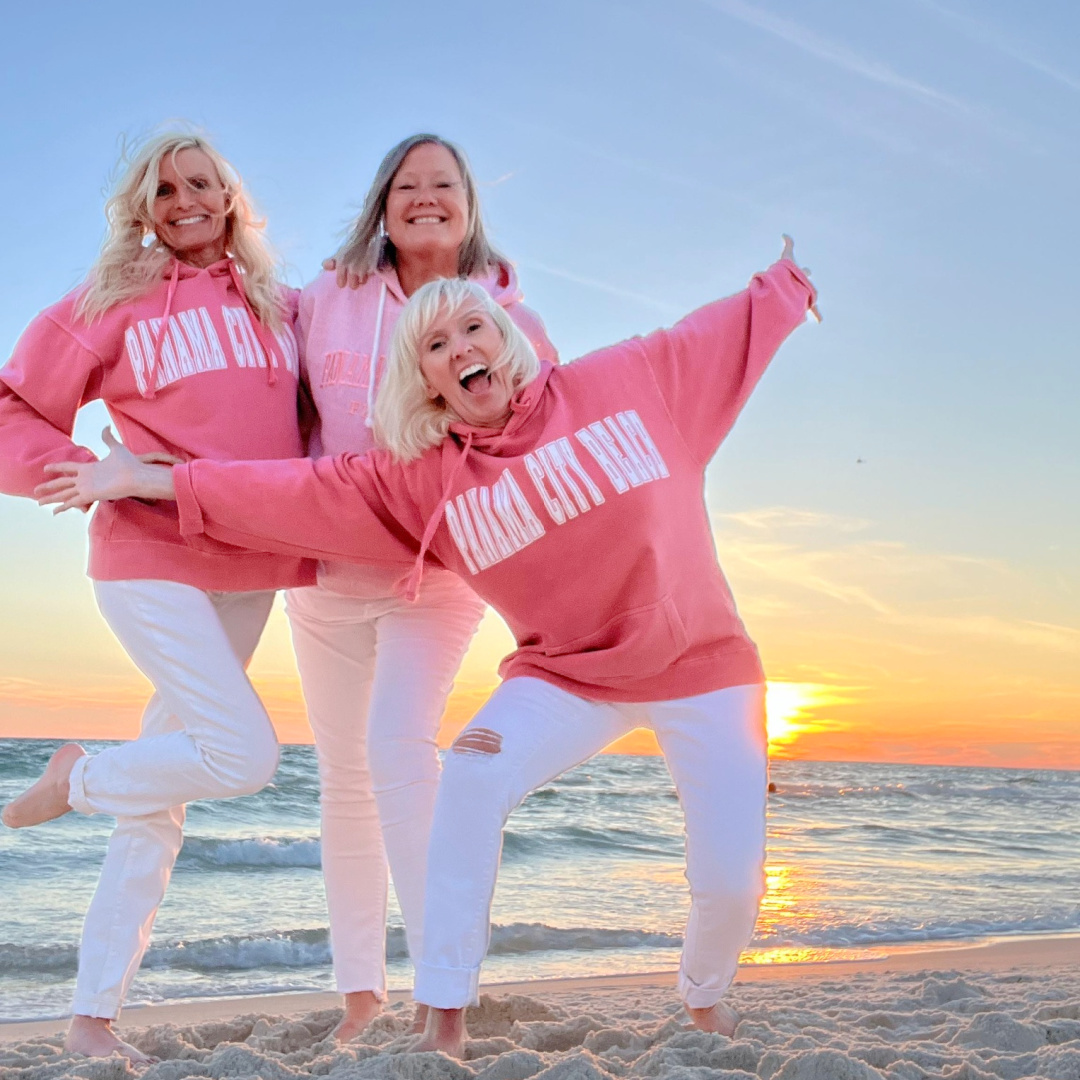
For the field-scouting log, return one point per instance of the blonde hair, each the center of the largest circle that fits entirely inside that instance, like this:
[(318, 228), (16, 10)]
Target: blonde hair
[(407, 421), (133, 260), (367, 247)]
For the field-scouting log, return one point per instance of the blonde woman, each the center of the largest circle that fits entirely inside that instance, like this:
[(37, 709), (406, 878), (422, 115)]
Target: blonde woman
[(376, 668), (184, 332), (571, 498)]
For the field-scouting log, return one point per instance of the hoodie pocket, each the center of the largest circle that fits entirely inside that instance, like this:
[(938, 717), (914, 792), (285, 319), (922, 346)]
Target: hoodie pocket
[(636, 643)]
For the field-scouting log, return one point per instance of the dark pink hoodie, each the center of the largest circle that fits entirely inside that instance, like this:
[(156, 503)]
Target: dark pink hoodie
[(186, 369), (582, 522)]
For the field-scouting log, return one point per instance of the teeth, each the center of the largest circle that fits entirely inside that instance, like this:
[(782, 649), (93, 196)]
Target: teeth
[(426, 221), (472, 369), (190, 220)]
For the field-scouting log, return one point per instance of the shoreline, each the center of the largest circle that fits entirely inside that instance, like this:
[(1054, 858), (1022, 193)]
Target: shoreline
[(991, 954)]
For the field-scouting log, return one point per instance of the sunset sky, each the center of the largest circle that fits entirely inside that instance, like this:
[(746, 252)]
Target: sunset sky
[(897, 509)]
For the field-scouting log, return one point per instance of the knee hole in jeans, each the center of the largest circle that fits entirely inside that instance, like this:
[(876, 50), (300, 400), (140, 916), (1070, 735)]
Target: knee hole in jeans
[(477, 741)]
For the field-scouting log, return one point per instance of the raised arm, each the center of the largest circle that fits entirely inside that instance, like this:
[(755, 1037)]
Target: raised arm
[(708, 363)]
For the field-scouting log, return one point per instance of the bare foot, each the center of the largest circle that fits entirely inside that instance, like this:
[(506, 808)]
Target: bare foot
[(721, 1018), (361, 1007), (94, 1037), (445, 1031), (419, 1020), (48, 797)]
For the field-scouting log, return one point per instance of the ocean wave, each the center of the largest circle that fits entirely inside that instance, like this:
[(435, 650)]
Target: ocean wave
[(257, 851)]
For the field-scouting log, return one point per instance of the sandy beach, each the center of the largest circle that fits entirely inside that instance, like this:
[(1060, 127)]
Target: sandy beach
[(1004, 1008)]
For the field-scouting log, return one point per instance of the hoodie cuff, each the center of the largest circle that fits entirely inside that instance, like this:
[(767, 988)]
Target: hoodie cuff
[(802, 279), (191, 518)]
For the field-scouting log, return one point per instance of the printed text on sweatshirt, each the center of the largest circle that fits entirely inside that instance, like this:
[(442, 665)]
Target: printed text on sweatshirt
[(582, 523), (185, 370)]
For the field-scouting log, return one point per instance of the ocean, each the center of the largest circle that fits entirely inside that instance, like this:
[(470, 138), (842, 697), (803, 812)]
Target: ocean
[(859, 856)]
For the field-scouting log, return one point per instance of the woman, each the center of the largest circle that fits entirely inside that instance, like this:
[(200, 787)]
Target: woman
[(571, 499), (182, 329), (355, 634)]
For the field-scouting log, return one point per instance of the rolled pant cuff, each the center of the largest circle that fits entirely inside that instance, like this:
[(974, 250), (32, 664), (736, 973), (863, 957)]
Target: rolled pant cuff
[(446, 988), (705, 996), (101, 1006), (378, 991), (77, 792)]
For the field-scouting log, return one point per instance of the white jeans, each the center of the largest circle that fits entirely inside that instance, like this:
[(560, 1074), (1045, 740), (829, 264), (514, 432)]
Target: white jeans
[(376, 675), (715, 747), (205, 734)]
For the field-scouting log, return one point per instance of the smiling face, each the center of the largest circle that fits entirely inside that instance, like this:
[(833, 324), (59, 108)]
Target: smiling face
[(427, 209), (456, 357), (190, 207)]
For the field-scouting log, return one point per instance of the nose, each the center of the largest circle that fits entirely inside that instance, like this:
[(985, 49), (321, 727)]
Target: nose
[(459, 346), (184, 195)]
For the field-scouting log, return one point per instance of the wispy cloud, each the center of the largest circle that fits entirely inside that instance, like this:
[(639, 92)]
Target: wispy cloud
[(836, 53), (789, 557), (986, 34), (670, 310)]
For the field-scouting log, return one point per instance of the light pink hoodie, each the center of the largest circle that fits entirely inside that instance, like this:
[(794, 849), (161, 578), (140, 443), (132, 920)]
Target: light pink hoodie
[(340, 332), (182, 369), (582, 522)]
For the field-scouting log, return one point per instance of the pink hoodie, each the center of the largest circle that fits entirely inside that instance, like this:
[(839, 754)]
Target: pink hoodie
[(582, 523), (340, 330), (204, 389)]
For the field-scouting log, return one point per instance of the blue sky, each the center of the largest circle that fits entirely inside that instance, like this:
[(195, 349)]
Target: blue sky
[(636, 160)]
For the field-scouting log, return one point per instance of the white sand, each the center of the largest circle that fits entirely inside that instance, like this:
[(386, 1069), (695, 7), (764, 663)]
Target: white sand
[(1003, 1010)]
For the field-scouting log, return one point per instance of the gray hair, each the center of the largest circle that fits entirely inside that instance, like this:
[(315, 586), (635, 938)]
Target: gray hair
[(407, 421), (367, 248)]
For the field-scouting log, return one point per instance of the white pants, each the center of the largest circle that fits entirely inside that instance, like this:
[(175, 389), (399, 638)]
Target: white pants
[(205, 734), (715, 747), (376, 675)]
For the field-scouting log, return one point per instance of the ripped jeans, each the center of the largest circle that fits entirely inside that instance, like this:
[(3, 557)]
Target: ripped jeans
[(529, 732)]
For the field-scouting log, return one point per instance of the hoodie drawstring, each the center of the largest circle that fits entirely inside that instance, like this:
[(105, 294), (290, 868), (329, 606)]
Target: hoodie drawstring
[(373, 366), (260, 330), (412, 586), (151, 383)]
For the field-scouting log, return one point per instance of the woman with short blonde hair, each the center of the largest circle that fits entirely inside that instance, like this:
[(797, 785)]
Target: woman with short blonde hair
[(574, 505)]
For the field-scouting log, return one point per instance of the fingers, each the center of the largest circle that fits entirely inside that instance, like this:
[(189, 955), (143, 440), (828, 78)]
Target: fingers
[(329, 264), (342, 277), (355, 280), (109, 439), (789, 247), (815, 312), (63, 468), (50, 486)]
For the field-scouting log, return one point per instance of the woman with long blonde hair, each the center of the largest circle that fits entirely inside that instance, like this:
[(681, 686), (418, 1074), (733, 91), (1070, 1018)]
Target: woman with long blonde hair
[(183, 330)]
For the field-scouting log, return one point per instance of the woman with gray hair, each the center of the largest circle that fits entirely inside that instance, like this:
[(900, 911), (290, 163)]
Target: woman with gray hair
[(377, 669), (571, 498)]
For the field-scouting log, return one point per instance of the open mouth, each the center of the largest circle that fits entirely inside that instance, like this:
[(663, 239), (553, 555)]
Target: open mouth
[(189, 220), (427, 219), (475, 379)]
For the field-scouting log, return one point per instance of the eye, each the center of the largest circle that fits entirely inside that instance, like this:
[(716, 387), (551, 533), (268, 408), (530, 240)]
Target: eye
[(199, 184), (164, 190), (404, 187), (436, 345), (475, 324)]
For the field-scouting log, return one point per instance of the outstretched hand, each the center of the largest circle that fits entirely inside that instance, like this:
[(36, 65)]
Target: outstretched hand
[(118, 475), (346, 275), (789, 253)]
